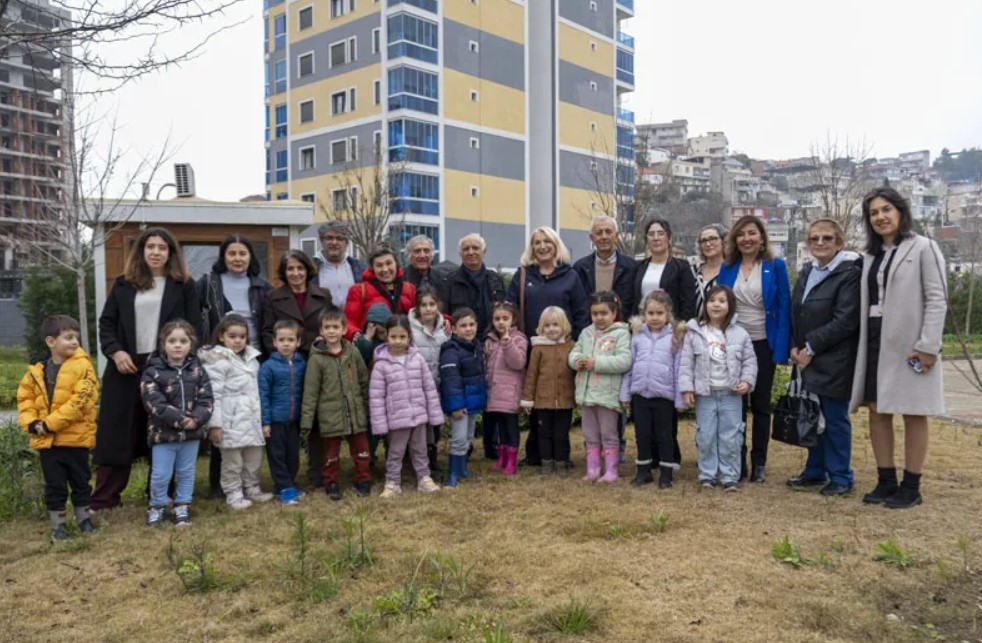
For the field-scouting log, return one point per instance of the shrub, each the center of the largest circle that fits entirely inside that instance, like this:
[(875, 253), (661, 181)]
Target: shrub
[(890, 553), (20, 475), (50, 290), (573, 618)]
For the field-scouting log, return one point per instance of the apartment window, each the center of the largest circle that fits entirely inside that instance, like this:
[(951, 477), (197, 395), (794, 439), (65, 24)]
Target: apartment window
[(306, 111), (267, 171), (352, 49), (593, 45), (353, 148), (377, 142), (475, 143), (413, 37), (351, 99), (593, 5), (279, 31), (416, 193), (414, 141), (305, 18), (473, 46), (343, 101), (474, 96), (339, 199), (308, 197), (307, 158), (377, 92), (475, 191), (593, 85), (403, 232), (339, 151), (282, 165), (593, 126), (279, 77), (411, 88), (266, 135), (305, 64), (281, 128), (338, 53), (341, 7), (376, 40), (282, 196)]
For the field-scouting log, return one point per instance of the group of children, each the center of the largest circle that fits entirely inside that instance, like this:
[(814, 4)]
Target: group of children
[(416, 372)]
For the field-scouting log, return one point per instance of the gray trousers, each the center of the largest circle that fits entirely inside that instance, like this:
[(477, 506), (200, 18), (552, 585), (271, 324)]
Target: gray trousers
[(399, 441), (461, 434), (240, 469)]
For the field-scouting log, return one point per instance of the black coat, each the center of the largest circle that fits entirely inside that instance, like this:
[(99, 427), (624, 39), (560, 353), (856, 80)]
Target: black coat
[(214, 306), (623, 285), (280, 304), (561, 288), (677, 280), (121, 429), (436, 278), (828, 321), (459, 292)]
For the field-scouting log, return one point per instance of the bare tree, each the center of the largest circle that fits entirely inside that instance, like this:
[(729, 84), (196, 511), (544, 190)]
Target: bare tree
[(840, 179), (970, 248), (613, 194), (368, 199)]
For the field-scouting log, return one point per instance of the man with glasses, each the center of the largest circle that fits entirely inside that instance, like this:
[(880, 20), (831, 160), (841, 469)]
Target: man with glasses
[(336, 272)]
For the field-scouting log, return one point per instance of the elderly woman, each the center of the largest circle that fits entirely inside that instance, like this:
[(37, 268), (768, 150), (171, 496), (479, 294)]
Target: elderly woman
[(661, 271), (381, 283), (155, 288), (824, 332), (760, 282), (709, 246), (903, 301)]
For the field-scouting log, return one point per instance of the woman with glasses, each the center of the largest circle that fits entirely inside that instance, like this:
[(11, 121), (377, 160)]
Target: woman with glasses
[(824, 333), (760, 282), (710, 249), (661, 271)]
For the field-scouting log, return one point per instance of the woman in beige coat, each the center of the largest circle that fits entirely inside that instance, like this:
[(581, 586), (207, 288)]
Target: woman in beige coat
[(903, 301)]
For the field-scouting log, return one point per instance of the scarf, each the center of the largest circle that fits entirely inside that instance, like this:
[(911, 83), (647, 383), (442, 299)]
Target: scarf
[(391, 296)]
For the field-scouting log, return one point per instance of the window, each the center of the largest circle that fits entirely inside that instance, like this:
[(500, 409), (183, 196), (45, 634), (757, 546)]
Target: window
[(413, 37), (343, 101), (416, 193), (305, 64), (308, 197), (474, 47), (593, 126), (339, 199), (593, 45), (282, 165), (377, 142), (337, 54), (352, 49), (376, 40), (353, 148), (267, 171), (474, 96), (377, 92), (403, 232), (281, 121), (475, 191), (305, 18), (475, 143), (351, 99), (593, 6), (593, 85), (414, 141), (411, 88), (279, 31), (307, 158), (339, 151), (338, 8), (279, 77), (306, 111), (282, 196), (265, 114)]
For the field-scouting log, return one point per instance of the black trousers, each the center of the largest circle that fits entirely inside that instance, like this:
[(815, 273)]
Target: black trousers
[(653, 429), (552, 433), (315, 456), (532, 455), (503, 425), (283, 454), (65, 467), (759, 405), (490, 434)]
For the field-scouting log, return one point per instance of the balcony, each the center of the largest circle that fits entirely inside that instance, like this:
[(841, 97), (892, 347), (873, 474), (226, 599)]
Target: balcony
[(625, 115), (426, 5), (625, 39), (625, 67), (625, 7), (626, 77)]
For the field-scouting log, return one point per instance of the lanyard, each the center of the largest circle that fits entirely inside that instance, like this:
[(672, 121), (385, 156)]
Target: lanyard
[(881, 281)]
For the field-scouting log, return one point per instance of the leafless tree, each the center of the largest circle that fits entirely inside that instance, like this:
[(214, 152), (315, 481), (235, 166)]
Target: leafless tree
[(612, 194), (368, 199), (970, 248), (840, 180)]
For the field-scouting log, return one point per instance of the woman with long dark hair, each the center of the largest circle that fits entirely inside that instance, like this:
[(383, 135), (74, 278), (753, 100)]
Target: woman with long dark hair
[(155, 288), (661, 271), (233, 285)]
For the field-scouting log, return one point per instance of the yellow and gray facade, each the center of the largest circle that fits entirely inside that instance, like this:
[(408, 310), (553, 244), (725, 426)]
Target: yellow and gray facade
[(499, 112)]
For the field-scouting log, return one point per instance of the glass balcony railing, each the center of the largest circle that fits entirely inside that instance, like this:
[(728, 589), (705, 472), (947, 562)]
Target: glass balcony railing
[(625, 115), (627, 4), (625, 152), (625, 39), (430, 5), (625, 76)]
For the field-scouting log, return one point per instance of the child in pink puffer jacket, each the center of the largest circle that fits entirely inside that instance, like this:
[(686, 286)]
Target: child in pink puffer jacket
[(404, 401), (505, 352)]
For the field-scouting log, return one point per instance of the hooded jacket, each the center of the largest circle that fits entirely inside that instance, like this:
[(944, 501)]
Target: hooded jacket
[(402, 393), (654, 366), (462, 385), (428, 342), (334, 391), (549, 380), (362, 295), (695, 369), (172, 393), (70, 413), (611, 351), (281, 388), (235, 384), (504, 370)]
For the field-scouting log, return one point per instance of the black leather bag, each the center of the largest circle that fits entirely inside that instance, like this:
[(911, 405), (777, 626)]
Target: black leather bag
[(797, 418)]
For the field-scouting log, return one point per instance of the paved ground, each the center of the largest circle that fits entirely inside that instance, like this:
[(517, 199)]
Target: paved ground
[(962, 400)]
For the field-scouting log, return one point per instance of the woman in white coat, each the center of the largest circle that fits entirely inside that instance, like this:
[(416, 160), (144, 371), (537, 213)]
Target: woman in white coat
[(898, 362)]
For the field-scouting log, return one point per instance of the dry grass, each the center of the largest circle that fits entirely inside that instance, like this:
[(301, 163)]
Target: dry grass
[(536, 548)]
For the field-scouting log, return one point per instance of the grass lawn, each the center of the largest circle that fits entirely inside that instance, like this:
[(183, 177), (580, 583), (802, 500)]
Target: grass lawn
[(13, 365), (526, 559), (951, 347)]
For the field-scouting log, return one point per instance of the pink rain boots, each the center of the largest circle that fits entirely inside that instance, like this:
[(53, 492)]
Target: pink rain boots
[(611, 456), (592, 464)]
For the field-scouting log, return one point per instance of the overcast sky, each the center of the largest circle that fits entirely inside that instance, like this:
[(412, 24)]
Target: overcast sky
[(774, 75)]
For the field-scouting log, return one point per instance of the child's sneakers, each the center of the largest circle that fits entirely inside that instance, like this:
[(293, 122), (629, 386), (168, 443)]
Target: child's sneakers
[(731, 487), (333, 491), (155, 516), (60, 533), (237, 501), (255, 494), (182, 516), (426, 485), (86, 526), (289, 497), (363, 489), (391, 490)]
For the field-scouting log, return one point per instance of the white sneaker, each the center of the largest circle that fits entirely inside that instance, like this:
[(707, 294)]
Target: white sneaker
[(426, 485), (258, 495), (238, 502), (391, 490)]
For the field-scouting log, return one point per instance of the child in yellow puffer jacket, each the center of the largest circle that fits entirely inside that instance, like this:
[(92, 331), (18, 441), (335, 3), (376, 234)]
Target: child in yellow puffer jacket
[(56, 405)]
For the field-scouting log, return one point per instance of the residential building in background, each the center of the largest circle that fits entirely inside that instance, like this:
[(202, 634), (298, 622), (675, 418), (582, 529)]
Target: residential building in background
[(713, 145), (672, 137), (34, 134), (502, 115)]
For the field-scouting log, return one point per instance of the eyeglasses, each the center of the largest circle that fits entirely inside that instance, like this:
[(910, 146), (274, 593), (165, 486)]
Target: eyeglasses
[(824, 238), (708, 240), (333, 238), (656, 234)]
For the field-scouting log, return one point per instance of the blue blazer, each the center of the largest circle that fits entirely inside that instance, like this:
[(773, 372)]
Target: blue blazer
[(777, 303)]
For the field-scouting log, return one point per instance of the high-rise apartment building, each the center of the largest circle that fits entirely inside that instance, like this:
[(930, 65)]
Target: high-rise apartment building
[(502, 115)]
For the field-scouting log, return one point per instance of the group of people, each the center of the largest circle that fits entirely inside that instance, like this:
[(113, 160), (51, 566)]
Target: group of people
[(345, 351)]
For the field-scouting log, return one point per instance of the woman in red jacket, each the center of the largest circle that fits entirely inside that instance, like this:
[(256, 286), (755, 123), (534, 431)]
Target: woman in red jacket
[(381, 282)]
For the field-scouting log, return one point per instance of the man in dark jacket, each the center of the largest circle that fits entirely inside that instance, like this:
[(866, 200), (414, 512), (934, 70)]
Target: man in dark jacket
[(420, 271), (473, 285), (336, 272), (607, 269)]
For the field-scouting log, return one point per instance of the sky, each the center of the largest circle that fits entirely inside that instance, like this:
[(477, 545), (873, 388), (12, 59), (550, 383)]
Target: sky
[(775, 76)]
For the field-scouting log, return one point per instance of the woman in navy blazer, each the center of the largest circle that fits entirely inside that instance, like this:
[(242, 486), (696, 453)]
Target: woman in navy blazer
[(763, 293)]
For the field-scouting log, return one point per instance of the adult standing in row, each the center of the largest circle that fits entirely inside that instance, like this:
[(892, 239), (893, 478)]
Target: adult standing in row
[(763, 294), (155, 288), (546, 278), (904, 300), (706, 271), (420, 271), (336, 271), (472, 285), (301, 300), (234, 285), (824, 333), (661, 271), (381, 283)]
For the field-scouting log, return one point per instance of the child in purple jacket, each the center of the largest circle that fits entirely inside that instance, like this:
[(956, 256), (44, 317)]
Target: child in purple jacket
[(649, 389), (505, 350), (403, 402)]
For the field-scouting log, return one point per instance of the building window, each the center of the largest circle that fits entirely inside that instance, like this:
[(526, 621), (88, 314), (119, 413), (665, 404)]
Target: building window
[(341, 199), (352, 49), (593, 126), (308, 197), (473, 46), (377, 92), (281, 128), (341, 7), (343, 101), (414, 141), (306, 111), (282, 196), (377, 143), (475, 143), (593, 6), (279, 31), (593, 45), (415, 193), (339, 151), (308, 159), (403, 232), (411, 88), (475, 191), (305, 18), (351, 99), (279, 77), (593, 85), (282, 165), (338, 53), (474, 96), (376, 40), (305, 64), (413, 37), (353, 148)]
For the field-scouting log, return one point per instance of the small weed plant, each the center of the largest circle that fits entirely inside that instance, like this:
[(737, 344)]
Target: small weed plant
[(659, 522), (412, 600), (308, 577), (196, 569), (573, 618), (618, 532), (496, 633), (450, 574), (890, 553), (789, 553), (354, 553), (20, 475)]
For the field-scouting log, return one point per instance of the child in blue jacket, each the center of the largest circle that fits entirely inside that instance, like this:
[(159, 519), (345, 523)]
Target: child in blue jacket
[(280, 393), (463, 392)]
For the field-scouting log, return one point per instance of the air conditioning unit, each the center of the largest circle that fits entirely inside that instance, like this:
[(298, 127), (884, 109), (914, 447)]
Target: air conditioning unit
[(184, 179)]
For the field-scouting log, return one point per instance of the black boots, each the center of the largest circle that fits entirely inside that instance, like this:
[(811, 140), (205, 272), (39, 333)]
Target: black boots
[(665, 476), (758, 473), (886, 486), (642, 476), (888, 493)]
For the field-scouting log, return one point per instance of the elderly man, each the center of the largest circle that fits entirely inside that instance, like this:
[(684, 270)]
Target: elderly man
[(420, 271), (336, 272), (473, 285), (607, 269)]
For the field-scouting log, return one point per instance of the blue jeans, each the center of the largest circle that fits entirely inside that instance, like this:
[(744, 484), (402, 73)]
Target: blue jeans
[(173, 459), (831, 456), (719, 435)]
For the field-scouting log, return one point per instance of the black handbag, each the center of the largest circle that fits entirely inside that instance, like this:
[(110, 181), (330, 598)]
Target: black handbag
[(797, 418)]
